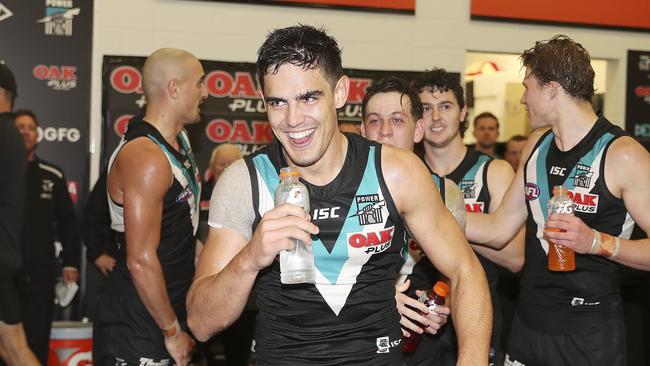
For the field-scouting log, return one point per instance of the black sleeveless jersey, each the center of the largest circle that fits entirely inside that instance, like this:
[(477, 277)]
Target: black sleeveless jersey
[(177, 244), (349, 315), (560, 301)]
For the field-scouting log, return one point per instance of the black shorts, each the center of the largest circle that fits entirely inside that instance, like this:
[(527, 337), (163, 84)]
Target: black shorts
[(9, 296), (125, 334), (600, 343)]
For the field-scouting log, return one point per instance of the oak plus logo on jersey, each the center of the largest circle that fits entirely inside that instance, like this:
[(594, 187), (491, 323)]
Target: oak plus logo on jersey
[(5, 13), (468, 187), (61, 78), (582, 177), (58, 17), (475, 207), (532, 191), (584, 202), (369, 209), (373, 242)]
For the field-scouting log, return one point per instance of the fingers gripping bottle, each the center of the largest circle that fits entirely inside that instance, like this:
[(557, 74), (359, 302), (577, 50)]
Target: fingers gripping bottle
[(560, 258), (432, 299), (297, 265)]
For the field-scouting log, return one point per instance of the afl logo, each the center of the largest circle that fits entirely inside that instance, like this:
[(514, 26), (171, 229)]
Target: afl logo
[(532, 191)]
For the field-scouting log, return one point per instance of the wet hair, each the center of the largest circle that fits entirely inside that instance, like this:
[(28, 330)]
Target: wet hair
[(439, 80), (486, 115), (564, 61), (26, 112), (303, 46), (394, 84)]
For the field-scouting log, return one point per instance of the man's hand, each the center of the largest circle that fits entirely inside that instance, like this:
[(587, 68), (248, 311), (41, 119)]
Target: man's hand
[(180, 348), (105, 264), (575, 234), (276, 232), (70, 275), (411, 311)]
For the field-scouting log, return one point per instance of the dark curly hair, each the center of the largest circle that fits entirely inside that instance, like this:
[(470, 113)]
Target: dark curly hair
[(564, 61), (303, 46), (439, 80)]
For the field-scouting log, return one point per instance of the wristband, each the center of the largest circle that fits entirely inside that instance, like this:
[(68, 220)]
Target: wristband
[(173, 330), (605, 245)]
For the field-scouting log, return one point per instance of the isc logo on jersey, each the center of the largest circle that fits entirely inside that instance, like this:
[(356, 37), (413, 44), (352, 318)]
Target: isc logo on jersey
[(372, 242), (584, 202)]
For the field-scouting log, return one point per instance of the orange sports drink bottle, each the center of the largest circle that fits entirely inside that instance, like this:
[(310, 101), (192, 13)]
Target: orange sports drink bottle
[(560, 258), (432, 299)]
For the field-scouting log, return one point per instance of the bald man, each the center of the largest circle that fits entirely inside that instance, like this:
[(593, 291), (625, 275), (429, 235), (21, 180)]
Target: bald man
[(153, 196)]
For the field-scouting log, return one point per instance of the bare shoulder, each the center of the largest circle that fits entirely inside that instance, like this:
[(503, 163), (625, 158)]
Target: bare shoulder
[(405, 175), (141, 162), (399, 165), (626, 157)]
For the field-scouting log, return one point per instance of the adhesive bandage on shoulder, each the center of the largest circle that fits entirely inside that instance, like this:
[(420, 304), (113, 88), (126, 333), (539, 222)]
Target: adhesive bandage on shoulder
[(605, 245)]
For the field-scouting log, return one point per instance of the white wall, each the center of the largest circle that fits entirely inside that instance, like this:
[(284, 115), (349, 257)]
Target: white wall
[(439, 34)]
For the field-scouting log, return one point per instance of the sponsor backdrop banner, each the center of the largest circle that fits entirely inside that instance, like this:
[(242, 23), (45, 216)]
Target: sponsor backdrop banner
[(233, 111), (47, 44), (637, 106)]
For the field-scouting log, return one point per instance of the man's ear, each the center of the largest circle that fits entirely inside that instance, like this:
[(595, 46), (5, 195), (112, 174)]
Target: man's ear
[(173, 88), (341, 91), (419, 131), (553, 89), (463, 113)]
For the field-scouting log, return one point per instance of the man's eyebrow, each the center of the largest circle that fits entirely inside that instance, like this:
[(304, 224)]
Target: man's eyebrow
[(275, 100), (310, 94)]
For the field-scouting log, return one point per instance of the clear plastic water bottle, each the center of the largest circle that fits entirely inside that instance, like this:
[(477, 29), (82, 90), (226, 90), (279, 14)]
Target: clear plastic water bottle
[(432, 298), (560, 258), (297, 265)]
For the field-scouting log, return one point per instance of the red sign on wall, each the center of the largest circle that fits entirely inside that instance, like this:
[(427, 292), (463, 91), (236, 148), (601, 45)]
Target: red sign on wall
[(629, 14)]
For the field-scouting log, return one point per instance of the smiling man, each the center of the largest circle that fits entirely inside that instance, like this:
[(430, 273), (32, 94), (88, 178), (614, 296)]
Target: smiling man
[(358, 187), (482, 179)]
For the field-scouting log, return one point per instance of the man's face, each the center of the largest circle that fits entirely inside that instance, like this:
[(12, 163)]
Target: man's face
[(301, 107), (27, 127), (486, 132), (193, 91), (442, 117), (513, 152), (222, 160), (536, 100), (388, 121)]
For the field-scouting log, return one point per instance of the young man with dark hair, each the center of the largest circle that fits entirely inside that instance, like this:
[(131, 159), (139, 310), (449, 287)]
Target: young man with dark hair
[(48, 206), (154, 191), (575, 317), (486, 133), (348, 316), (482, 179)]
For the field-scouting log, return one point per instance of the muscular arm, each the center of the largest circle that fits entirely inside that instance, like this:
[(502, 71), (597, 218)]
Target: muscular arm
[(627, 175), (511, 213), (230, 260), (500, 174), (140, 184), (443, 241)]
